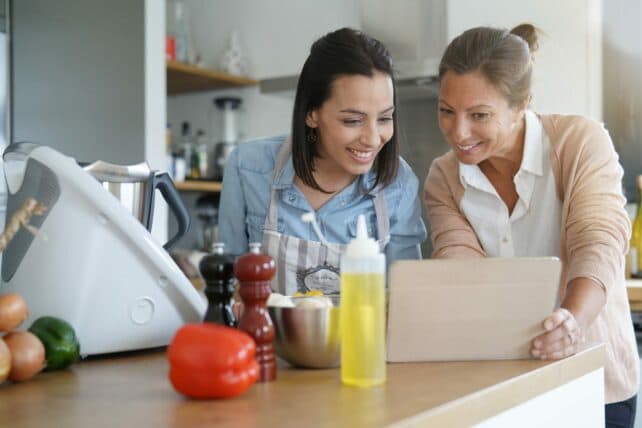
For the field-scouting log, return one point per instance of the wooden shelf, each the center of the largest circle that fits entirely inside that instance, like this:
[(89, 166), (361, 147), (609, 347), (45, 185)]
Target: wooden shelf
[(182, 78), (199, 186)]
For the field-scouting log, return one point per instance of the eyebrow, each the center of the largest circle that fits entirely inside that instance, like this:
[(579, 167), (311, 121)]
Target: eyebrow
[(469, 108), (354, 111)]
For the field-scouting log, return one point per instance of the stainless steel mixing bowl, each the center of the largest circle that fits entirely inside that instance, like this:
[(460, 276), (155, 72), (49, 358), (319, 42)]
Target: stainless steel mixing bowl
[(307, 337)]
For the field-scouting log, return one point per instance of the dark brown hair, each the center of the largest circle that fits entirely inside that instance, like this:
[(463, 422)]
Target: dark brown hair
[(339, 53), (504, 57)]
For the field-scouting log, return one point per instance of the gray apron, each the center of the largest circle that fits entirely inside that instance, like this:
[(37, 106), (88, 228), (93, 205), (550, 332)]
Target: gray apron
[(304, 265)]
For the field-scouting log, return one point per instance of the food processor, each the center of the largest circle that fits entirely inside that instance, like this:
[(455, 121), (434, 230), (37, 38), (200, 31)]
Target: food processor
[(99, 267)]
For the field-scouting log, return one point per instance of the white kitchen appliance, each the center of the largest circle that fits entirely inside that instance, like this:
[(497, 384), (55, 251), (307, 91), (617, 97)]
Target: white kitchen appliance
[(95, 265)]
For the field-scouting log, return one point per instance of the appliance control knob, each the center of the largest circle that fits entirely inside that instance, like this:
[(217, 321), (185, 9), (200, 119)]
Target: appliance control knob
[(141, 310)]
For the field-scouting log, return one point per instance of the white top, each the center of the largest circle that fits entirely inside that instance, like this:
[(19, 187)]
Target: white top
[(533, 229)]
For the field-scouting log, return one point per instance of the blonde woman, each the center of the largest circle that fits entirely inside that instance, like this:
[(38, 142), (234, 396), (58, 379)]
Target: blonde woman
[(517, 183)]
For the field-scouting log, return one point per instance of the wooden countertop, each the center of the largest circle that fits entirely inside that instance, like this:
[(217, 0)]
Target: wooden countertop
[(133, 390)]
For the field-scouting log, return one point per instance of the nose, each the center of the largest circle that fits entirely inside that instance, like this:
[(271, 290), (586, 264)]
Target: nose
[(460, 130), (371, 136)]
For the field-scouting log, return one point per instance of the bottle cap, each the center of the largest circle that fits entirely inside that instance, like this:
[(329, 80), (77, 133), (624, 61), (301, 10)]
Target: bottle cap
[(362, 245), (255, 247), (218, 248)]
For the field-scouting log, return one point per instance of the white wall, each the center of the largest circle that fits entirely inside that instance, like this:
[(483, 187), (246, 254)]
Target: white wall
[(276, 36), (277, 33), (260, 115), (88, 79), (155, 110), (78, 85), (568, 65), (623, 85)]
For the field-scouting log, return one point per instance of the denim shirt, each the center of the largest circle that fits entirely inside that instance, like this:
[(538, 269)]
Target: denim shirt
[(247, 185)]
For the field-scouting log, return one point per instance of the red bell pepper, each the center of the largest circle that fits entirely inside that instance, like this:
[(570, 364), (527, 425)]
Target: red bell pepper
[(212, 361)]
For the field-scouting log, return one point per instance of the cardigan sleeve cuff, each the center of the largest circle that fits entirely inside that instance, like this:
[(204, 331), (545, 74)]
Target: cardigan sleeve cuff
[(601, 275)]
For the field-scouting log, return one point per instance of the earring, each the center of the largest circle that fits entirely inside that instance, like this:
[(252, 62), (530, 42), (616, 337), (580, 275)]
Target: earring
[(311, 136)]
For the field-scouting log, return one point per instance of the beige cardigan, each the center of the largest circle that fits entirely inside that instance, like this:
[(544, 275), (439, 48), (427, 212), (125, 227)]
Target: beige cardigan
[(595, 232)]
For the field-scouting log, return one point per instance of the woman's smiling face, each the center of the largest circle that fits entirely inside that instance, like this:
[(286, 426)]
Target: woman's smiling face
[(354, 123), (475, 118)]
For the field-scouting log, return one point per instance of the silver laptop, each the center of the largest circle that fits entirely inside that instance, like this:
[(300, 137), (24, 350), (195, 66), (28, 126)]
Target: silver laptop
[(469, 309)]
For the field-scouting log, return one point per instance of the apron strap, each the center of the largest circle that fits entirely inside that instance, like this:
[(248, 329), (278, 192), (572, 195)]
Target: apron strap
[(383, 220), (281, 158)]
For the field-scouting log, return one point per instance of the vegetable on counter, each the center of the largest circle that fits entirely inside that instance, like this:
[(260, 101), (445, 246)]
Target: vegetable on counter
[(27, 355), (5, 361), (212, 361), (13, 311), (59, 338)]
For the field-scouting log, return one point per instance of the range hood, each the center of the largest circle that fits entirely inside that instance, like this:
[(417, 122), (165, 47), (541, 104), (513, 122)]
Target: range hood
[(416, 49), (417, 79), (414, 80)]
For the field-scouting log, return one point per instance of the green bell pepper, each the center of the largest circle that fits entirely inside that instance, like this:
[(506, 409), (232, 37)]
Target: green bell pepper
[(59, 338)]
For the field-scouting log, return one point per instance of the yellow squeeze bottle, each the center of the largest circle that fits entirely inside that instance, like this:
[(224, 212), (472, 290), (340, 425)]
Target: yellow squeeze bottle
[(362, 311)]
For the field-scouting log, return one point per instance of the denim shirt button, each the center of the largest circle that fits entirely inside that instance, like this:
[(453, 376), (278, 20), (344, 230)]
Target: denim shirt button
[(292, 198)]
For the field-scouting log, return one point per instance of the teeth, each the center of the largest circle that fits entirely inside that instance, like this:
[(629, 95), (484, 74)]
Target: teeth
[(468, 147), (360, 154)]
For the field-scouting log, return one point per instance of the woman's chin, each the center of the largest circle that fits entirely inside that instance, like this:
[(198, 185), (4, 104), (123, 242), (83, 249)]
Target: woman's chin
[(359, 168), (467, 159)]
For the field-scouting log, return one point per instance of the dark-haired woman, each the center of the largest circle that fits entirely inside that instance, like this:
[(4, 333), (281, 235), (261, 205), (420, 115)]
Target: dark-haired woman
[(516, 183), (341, 160)]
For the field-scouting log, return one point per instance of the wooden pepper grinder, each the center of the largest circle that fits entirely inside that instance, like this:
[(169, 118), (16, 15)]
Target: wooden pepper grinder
[(254, 272), (217, 270)]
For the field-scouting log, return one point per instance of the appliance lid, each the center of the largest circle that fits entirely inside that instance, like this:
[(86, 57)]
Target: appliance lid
[(105, 171), (15, 163)]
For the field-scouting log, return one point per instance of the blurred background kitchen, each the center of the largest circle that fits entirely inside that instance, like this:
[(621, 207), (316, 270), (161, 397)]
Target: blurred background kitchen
[(179, 82)]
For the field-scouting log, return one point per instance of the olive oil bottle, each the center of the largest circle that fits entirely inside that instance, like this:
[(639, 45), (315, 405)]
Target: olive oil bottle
[(362, 311), (635, 250)]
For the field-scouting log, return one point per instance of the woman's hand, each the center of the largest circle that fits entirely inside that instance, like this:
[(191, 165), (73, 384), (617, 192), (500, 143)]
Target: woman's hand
[(562, 338)]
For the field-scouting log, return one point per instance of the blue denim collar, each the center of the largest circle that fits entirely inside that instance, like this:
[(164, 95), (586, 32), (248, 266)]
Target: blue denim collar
[(285, 180)]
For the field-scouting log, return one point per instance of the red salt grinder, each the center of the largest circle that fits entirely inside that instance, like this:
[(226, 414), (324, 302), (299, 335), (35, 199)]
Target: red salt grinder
[(254, 271)]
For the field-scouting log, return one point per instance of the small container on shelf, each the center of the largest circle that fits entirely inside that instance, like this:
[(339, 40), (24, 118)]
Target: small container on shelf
[(170, 48), (179, 169)]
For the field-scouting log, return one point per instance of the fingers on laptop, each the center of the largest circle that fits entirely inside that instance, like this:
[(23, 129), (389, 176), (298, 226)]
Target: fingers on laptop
[(562, 337)]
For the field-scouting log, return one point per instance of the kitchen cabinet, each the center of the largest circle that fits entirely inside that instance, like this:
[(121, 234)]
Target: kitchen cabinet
[(183, 78), (133, 390)]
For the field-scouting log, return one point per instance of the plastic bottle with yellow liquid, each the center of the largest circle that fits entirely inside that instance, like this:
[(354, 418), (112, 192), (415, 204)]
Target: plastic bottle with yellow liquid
[(635, 249), (362, 313)]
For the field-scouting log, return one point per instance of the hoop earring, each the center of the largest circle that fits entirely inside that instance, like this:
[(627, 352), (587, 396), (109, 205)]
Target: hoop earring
[(311, 136)]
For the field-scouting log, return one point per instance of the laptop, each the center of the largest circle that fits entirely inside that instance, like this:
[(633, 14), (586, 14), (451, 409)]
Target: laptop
[(469, 309)]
